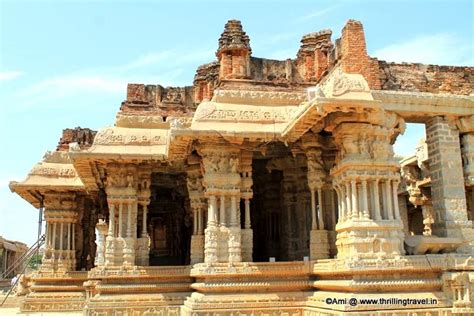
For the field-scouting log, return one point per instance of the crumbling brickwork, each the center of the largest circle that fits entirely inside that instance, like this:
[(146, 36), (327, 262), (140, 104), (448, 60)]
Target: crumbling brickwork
[(82, 136), (157, 100), (315, 58), (354, 58), (426, 78)]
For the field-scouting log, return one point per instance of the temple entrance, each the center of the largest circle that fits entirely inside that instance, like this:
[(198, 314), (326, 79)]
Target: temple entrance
[(281, 218), (268, 212), (169, 224)]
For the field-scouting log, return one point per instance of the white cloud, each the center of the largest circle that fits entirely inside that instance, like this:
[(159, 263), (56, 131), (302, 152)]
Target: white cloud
[(165, 68), (147, 60), (63, 85), (440, 49), (315, 14), (9, 75)]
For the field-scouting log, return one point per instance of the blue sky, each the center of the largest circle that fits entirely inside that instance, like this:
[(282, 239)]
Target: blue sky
[(66, 63)]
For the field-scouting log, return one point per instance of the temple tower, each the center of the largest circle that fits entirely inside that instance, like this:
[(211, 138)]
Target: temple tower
[(234, 52)]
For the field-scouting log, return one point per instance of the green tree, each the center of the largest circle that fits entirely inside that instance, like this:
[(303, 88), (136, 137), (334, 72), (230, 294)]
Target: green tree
[(35, 261)]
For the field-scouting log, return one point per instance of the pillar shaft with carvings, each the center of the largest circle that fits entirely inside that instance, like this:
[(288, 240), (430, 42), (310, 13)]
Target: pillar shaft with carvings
[(122, 199), (198, 206), (61, 219), (247, 195), (366, 176), (319, 248), (143, 192), (222, 180)]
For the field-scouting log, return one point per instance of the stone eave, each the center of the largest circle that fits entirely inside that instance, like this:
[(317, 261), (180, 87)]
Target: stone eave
[(122, 153), (420, 106), (55, 172), (237, 136), (33, 192), (312, 112)]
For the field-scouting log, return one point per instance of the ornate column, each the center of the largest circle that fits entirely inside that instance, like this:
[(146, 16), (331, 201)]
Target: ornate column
[(312, 144), (143, 193), (102, 229), (61, 215), (247, 194), (197, 201), (366, 158), (122, 198), (221, 177), (289, 207)]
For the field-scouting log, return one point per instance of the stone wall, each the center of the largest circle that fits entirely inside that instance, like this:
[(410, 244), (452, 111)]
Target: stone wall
[(426, 78), (157, 100)]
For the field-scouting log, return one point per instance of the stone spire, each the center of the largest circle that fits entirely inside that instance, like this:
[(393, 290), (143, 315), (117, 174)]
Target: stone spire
[(233, 38), (313, 54), (234, 52)]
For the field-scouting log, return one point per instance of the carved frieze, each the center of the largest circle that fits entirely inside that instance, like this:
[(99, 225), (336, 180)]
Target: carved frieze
[(56, 171), (122, 136), (259, 97), (210, 112)]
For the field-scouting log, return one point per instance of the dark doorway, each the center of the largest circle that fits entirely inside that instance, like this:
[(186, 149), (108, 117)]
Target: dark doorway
[(169, 223), (266, 212)]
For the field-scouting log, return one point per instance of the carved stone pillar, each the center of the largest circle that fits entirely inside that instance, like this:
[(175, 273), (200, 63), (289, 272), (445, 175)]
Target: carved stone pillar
[(143, 192), (61, 217), (247, 195), (366, 168), (122, 199), (319, 248), (466, 128), (447, 182), (198, 205), (102, 229), (221, 179), (290, 212)]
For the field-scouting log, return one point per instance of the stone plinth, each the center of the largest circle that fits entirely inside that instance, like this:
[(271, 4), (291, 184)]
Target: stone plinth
[(249, 288), (137, 290), (55, 291)]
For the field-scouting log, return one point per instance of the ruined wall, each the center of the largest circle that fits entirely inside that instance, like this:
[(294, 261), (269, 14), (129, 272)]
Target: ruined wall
[(157, 100), (426, 78), (84, 137), (236, 68)]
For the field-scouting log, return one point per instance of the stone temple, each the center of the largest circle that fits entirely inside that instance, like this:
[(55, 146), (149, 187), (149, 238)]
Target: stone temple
[(267, 187)]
